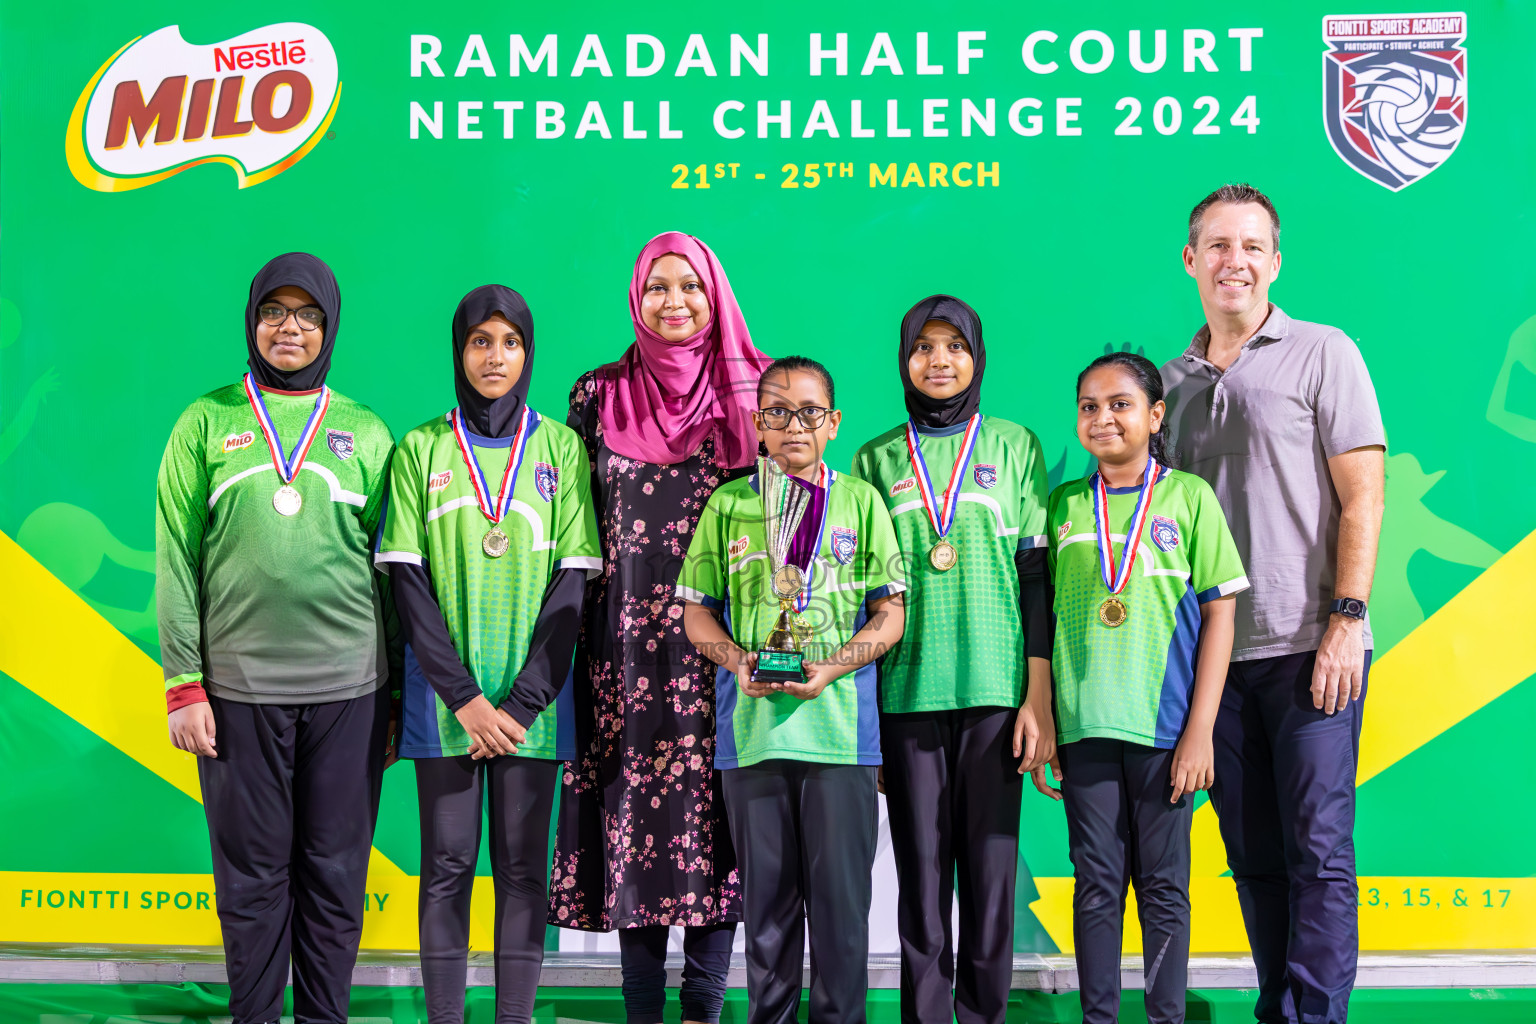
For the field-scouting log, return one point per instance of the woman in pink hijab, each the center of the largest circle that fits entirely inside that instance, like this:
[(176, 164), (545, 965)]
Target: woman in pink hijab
[(642, 840)]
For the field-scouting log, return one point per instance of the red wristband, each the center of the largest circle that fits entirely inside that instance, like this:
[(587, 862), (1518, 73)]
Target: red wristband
[(178, 697)]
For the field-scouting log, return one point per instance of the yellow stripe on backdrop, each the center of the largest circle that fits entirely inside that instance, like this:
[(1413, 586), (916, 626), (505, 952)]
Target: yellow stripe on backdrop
[(115, 691), (56, 645)]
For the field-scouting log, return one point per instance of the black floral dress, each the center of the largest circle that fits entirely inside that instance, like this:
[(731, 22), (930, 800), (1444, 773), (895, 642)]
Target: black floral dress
[(642, 837)]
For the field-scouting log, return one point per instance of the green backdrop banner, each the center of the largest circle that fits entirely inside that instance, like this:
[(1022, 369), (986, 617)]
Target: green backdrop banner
[(1037, 159)]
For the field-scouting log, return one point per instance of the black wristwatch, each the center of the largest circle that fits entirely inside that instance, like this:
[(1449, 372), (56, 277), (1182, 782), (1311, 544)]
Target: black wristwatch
[(1350, 606)]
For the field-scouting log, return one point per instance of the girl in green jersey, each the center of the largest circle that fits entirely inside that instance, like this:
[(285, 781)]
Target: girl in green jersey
[(961, 716), (1145, 571), (488, 540)]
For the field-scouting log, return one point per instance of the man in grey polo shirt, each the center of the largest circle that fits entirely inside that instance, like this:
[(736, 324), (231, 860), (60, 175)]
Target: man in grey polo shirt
[(1279, 416)]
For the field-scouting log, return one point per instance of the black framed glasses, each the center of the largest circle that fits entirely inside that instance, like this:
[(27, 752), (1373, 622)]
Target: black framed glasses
[(273, 314), (777, 418)]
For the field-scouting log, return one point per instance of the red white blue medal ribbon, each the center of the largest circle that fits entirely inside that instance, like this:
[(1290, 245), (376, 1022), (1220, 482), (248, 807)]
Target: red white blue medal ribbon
[(803, 599), (503, 500), (287, 465), (942, 513), (1116, 578)]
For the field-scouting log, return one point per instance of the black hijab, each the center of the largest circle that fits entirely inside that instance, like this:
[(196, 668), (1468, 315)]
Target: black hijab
[(298, 270), (484, 416), (942, 412)]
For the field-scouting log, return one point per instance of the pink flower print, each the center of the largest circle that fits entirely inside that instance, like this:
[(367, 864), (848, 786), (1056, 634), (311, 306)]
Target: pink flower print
[(640, 523), (677, 768), (655, 801), (674, 472), (642, 683), (696, 762), (569, 882), (675, 612), (682, 526), (649, 488), (655, 607), (690, 898), (650, 645)]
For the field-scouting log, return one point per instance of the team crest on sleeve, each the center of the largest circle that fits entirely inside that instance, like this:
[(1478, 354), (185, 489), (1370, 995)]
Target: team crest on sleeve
[(1165, 533), (1395, 92), (1062, 531), (437, 481), (986, 476), (547, 479), (844, 541), (340, 443)]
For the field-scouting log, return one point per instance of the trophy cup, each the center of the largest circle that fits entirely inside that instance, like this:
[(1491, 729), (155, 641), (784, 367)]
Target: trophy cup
[(784, 505)]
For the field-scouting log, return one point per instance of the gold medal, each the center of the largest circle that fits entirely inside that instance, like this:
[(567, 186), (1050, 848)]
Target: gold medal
[(287, 501), (495, 543), (1113, 612), (944, 556), (788, 581)]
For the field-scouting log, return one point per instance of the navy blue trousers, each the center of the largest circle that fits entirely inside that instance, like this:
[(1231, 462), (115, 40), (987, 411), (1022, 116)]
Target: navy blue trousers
[(1285, 794), (1122, 827), (805, 837), (706, 965)]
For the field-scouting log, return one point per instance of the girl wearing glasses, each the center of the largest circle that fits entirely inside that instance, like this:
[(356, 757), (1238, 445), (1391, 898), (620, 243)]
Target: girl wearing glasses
[(965, 703), (488, 540), (642, 841), (799, 756), (272, 635)]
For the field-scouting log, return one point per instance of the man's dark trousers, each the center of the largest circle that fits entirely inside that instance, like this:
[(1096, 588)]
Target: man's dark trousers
[(1285, 793)]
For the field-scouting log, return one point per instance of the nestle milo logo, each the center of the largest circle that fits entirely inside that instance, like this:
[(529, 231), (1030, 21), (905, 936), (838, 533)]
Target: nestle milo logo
[(258, 102)]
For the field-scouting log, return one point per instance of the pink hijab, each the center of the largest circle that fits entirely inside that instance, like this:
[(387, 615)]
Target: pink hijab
[(662, 399)]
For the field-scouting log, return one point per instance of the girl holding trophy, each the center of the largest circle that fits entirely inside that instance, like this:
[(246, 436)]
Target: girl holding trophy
[(802, 564)]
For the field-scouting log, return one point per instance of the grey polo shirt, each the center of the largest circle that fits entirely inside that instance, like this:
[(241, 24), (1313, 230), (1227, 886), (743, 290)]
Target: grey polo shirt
[(1261, 435)]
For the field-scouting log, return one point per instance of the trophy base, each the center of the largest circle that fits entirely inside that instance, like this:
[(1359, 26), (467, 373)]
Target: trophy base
[(779, 667)]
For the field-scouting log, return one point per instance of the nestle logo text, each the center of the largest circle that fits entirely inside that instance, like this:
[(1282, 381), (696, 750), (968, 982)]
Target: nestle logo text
[(258, 55)]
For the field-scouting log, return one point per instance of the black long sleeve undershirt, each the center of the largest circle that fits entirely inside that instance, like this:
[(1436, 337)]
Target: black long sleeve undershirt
[(1035, 600), (549, 651)]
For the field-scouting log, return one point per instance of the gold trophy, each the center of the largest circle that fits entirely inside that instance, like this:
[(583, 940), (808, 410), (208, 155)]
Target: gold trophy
[(780, 658)]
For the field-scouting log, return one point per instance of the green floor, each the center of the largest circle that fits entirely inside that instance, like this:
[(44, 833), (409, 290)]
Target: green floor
[(194, 1004)]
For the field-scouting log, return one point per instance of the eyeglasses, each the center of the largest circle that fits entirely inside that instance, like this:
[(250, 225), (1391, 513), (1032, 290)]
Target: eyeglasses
[(273, 314), (777, 418)]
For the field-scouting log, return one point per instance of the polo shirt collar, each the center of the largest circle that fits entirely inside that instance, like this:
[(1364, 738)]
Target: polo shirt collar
[(1276, 327)]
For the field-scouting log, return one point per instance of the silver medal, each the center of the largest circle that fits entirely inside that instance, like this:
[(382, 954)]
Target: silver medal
[(287, 501)]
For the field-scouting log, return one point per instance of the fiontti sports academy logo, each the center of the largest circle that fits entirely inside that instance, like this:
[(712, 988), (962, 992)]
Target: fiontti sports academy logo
[(1395, 92), (258, 102)]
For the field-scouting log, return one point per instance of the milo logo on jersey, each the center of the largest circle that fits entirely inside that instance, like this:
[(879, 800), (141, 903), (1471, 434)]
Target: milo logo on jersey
[(437, 481), (1395, 92), (903, 486), (234, 442), (258, 103)]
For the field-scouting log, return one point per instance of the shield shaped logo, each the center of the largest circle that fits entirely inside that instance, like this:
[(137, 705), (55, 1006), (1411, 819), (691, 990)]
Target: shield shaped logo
[(844, 542), (340, 443), (1165, 533), (986, 476), (547, 479), (1395, 92)]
